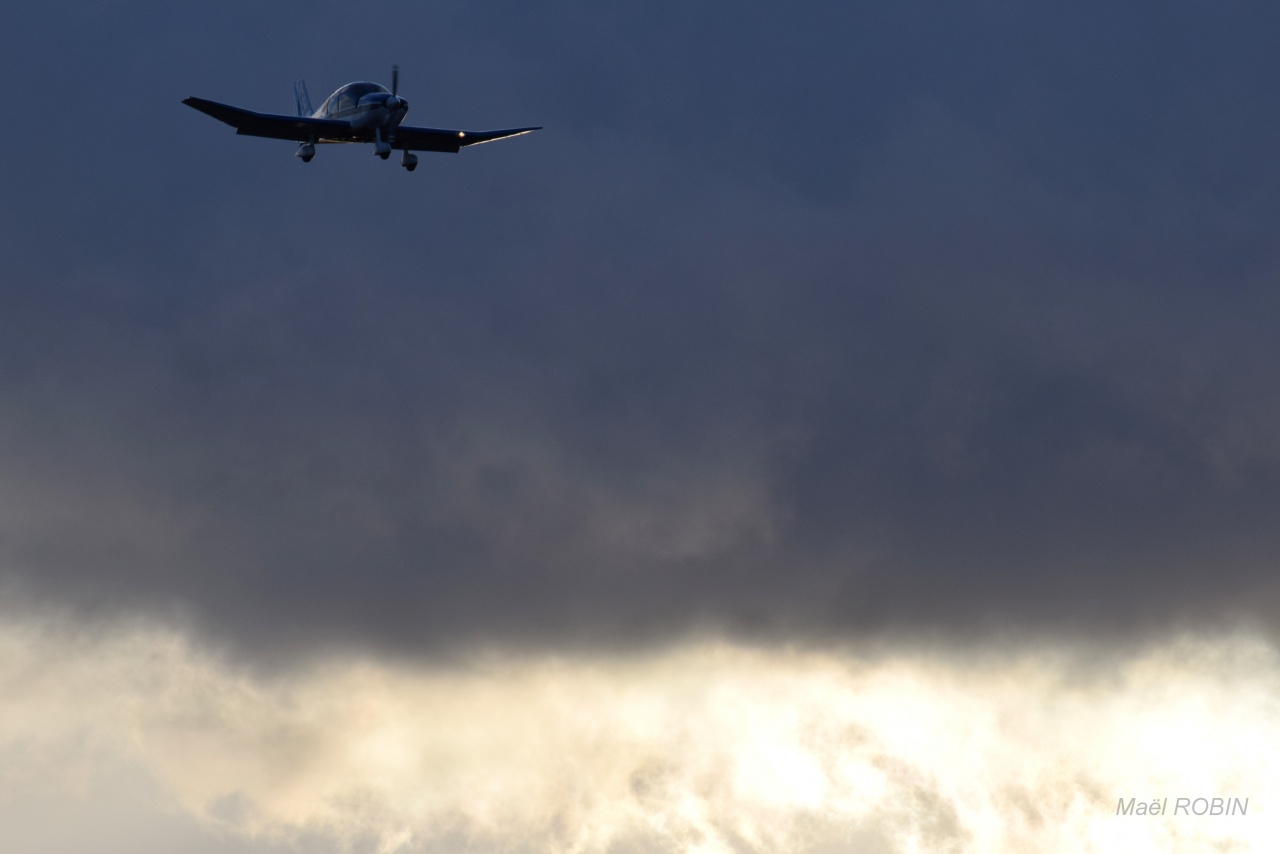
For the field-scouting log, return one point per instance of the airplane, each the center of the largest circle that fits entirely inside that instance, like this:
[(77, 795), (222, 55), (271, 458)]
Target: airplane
[(356, 112)]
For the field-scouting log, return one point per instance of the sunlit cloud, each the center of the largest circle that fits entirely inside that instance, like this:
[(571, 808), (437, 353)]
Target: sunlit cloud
[(703, 747)]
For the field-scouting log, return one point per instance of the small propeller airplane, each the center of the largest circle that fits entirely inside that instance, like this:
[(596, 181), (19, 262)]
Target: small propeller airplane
[(357, 112)]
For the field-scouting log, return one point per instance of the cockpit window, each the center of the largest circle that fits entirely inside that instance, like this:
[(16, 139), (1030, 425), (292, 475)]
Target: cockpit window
[(346, 98), (359, 90)]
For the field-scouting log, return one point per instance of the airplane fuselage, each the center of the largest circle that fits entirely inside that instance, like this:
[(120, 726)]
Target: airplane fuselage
[(364, 105)]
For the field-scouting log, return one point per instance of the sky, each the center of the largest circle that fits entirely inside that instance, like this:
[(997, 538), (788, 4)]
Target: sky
[(844, 427)]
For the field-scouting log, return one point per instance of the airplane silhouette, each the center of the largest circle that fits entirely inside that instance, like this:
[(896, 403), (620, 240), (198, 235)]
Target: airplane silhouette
[(356, 112)]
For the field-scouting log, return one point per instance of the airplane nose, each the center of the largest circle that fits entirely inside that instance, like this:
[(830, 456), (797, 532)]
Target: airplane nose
[(393, 103)]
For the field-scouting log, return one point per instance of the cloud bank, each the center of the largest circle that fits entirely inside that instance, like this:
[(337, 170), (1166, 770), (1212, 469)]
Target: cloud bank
[(704, 747)]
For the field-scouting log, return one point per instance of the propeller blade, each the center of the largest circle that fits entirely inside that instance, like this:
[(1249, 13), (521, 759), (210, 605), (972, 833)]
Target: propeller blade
[(395, 79)]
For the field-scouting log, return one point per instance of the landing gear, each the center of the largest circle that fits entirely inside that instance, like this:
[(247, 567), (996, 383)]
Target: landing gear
[(306, 151), (409, 161), (381, 147)]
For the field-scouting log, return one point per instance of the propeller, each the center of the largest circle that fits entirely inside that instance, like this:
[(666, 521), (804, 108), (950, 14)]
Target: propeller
[(394, 103)]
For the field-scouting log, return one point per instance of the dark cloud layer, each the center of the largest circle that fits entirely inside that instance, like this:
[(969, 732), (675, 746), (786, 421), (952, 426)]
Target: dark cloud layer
[(800, 321)]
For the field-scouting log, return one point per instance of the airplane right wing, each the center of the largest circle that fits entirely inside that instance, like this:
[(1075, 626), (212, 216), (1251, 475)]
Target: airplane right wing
[(296, 128)]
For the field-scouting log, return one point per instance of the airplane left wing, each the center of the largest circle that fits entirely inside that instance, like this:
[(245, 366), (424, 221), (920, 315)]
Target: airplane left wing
[(436, 139), (296, 128)]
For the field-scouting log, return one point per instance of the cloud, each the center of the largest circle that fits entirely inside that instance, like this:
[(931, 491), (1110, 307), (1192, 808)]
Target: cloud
[(702, 747)]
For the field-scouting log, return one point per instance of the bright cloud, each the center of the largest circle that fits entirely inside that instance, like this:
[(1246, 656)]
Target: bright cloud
[(704, 748)]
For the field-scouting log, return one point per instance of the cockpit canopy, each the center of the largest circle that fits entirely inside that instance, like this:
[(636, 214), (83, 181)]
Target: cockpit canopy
[(345, 99)]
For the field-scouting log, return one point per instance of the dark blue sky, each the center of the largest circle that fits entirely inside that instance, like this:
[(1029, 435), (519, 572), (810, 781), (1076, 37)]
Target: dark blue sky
[(799, 322)]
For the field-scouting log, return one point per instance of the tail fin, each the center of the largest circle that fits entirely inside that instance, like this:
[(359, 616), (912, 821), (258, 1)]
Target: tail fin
[(301, 98)]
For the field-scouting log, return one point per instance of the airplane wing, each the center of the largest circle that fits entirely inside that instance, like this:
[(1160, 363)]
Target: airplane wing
[(436, 139), (297, 128), (306, 129)]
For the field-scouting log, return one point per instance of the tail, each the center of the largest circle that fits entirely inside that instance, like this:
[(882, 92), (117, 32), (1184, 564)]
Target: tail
[(301, 98)]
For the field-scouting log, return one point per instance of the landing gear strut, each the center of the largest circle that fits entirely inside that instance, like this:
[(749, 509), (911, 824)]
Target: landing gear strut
[(381, 147)]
